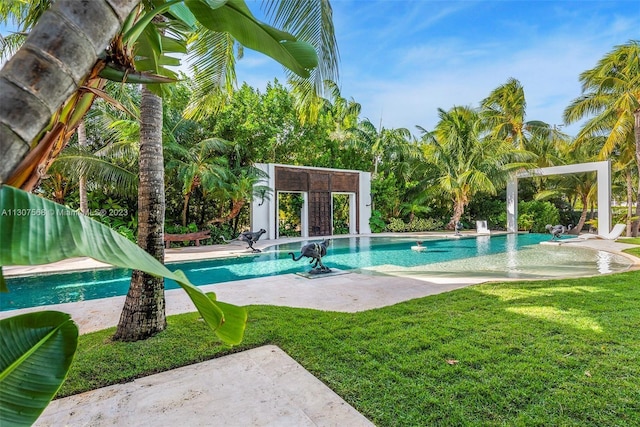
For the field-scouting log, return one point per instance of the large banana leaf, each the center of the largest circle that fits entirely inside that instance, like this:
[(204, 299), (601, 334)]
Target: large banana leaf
[(235, 18), (37, 350), (37, 231)]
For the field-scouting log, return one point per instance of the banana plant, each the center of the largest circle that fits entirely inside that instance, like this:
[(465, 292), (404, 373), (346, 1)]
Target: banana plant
[(140, 53), (38, 349), (57, 233), (38, 231)]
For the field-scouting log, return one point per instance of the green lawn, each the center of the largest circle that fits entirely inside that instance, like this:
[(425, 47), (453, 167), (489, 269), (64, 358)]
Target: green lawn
[(631, 241), (561, 352)]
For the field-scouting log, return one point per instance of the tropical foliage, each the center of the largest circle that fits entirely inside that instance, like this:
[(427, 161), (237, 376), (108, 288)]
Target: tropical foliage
[(212, 137)]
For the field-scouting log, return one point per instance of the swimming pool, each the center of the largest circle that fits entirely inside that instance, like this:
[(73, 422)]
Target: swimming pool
[(506, 256)]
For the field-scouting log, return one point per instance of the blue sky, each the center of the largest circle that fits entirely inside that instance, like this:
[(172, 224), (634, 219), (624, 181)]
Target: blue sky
[(404, 59)]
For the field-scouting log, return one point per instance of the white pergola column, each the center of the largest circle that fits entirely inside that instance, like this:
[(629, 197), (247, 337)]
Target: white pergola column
[(603, 171), (263, 210), (364, 204), (512, 204)]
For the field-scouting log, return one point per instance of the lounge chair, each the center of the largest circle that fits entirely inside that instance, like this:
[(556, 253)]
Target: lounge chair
[(481, 227), (613, 235)]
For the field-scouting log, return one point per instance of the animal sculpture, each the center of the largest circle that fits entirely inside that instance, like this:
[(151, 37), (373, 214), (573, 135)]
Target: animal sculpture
[(315, 251), (557, 230), (458, 227), (250, 237), (418, 247)]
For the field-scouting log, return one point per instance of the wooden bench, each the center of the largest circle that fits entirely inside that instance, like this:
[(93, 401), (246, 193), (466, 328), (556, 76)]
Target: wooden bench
[(197, 236)]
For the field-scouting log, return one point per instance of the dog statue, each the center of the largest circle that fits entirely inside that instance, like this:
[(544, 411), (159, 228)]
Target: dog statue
[(557, 230), (250, 237), (315, 251)]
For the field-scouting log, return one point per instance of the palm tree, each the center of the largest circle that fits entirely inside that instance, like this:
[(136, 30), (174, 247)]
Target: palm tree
[(382, 144), (343, 113), (143, 314), (504, 111), (468, 160), (132, 325), (611, 95), (238, 190), (28, 100), (200, 165)]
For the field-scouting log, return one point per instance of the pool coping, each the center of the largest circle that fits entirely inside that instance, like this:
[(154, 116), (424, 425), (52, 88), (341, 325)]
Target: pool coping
[(284, 289), (196, 253)]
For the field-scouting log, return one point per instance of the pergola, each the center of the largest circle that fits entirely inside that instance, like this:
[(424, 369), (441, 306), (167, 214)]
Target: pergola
[(317, 186), (603, 170)]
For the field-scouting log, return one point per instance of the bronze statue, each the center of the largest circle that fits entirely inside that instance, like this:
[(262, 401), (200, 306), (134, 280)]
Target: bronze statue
[(250, 237), (458, 226), (557, 230), (315, 251)]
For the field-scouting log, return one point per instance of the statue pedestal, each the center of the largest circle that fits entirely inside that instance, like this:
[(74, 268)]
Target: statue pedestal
[(312, 275)]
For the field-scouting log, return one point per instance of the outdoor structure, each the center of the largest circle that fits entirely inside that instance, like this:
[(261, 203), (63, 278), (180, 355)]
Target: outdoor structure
[(603, 170), (317, 187)]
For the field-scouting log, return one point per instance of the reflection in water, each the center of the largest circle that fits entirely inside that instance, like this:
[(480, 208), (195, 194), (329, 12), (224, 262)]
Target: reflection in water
[(483, 245), (603, 261), (512, 252)]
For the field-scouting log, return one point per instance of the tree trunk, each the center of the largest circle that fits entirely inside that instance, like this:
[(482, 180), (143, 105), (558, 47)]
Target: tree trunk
[(82, 182), (236, 207), (53, 62), (583, 214), (629, 185), (636, 131), (458, 210), (185, 209), (143, 314)]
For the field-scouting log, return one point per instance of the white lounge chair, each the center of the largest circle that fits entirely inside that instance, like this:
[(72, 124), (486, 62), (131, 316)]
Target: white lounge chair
[(481, 227), (617, 231)]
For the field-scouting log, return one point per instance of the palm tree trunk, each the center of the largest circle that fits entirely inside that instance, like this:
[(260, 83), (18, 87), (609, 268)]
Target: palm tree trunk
[(143, 314), (458, 210), (583, 214), (185, 208), (636, 131), (82, 182), (53, 62), (629, 185)]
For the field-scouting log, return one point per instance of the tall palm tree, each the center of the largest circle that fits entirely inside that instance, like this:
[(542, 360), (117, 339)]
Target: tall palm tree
[(468, 160), (342, 112), (382, 144), (82, 32), (131, 325), (611, 98), (143, 314), (504, 111)]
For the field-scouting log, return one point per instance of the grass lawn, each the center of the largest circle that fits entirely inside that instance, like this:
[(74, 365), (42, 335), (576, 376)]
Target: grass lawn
[(631, 241), (557, 352)]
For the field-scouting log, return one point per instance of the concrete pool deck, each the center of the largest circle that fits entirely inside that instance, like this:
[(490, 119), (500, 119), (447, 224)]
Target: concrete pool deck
[(263, 386)]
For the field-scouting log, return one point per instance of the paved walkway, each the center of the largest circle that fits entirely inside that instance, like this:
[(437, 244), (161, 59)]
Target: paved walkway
[(260, 387)]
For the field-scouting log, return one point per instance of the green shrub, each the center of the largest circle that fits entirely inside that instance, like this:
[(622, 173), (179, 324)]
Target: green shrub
[(525, 221), (396, 225), (542, 213), (376, 222)]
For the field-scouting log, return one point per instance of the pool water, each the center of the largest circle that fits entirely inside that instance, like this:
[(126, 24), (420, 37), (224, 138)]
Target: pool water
[(508, 256)]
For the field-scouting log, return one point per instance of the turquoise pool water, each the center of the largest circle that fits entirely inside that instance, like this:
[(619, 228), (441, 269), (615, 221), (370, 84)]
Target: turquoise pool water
[(510, 256)]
